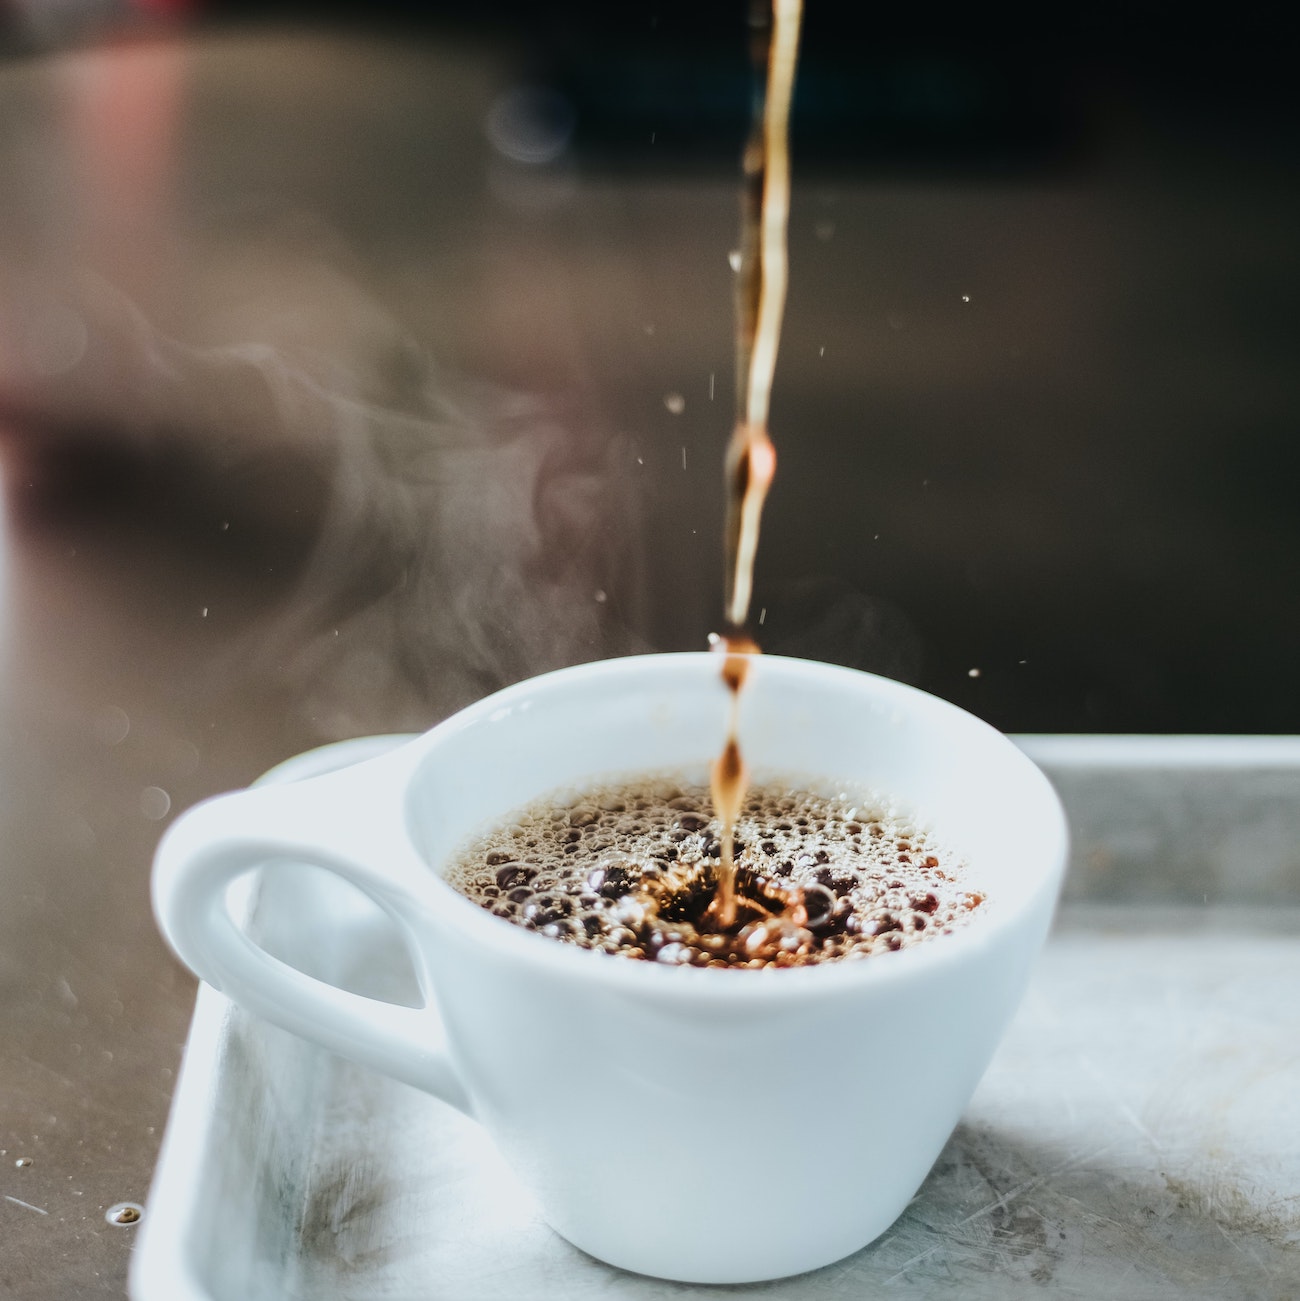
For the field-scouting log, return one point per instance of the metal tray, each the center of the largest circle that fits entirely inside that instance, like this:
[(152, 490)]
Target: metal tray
[(1135, 1136)]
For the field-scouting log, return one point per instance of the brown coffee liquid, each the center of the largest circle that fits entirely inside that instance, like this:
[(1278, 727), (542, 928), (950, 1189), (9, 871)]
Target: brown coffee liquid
[(729, 778), (760, 293), (751, 456), (632, 870)]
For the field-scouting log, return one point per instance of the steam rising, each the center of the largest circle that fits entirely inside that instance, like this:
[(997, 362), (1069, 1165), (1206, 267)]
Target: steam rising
[(501, 534), (469, 537), (463, 548)]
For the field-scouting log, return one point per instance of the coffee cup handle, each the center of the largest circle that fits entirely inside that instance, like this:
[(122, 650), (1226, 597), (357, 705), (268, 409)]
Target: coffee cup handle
[(216, 843)]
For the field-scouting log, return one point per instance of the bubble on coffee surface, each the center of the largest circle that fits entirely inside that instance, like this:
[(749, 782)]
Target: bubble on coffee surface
[(631, 870)]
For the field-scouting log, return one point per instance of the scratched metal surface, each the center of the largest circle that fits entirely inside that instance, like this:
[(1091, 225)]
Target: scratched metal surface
[(1134, 1137)]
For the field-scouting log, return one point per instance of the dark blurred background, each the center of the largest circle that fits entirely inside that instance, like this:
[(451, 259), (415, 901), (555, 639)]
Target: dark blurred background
[(356, 361), (399, 345)]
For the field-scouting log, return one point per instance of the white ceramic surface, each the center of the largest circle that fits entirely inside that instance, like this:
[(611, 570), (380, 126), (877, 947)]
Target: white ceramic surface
[(698, 1125)]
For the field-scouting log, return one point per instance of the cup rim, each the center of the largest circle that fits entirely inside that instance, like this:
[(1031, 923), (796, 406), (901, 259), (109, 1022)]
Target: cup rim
[(447, 906)]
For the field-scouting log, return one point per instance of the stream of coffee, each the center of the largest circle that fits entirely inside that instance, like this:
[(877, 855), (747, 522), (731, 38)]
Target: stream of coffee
[(751, 457), (707, 901), (638, 870)]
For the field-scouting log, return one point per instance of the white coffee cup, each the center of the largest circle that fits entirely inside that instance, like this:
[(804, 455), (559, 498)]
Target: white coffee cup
[(701, 1125)]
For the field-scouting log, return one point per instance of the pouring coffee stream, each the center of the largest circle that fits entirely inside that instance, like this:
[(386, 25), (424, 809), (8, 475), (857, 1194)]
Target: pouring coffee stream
[(751, 456), (753, 911), (659, 872)]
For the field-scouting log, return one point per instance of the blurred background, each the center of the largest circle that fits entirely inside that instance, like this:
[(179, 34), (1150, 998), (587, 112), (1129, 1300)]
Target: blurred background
[(366, 360), (356, 361)]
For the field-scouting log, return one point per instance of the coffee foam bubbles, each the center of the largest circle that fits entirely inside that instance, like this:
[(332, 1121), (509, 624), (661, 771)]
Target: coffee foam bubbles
[(628, 869)]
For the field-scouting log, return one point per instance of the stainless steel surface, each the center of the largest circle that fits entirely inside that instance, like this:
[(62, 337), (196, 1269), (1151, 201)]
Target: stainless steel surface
[(1132, 1138), (1179, 819)]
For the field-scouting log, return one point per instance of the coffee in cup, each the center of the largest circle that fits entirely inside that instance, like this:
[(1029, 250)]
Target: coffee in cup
[(631, 869)]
